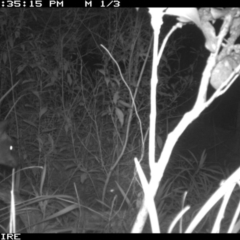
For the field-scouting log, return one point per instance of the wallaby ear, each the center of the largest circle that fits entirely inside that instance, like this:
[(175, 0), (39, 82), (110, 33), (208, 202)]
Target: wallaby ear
[(4, 125)]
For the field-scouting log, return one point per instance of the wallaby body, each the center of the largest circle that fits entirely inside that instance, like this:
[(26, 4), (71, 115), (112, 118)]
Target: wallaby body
[(9, 158)]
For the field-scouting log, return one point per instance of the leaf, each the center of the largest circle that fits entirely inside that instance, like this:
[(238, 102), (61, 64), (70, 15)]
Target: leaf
[(159, 141), (42, 111), (53, 78), (222, 71), (36, 93), (185, 15), (17, 34), (120, 115), (35, 171), (66, 66), (202, 159), (116, 97), (192, 15), (115, 79), (83, 177), (69, 79), (21, 68), (219, 13), (125, 104), (102, 71), (107, 80), (23, 47), (68, 124), (30, 80), (30, 123)]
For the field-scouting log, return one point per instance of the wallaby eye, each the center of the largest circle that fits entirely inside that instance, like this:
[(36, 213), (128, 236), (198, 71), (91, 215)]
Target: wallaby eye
[(11, 147), (112, 190)]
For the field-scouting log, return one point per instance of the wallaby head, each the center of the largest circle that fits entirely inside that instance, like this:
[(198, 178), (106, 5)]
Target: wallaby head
[(8, 156)]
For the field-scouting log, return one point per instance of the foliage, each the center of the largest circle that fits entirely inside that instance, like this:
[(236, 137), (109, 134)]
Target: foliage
[(73, 116)]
